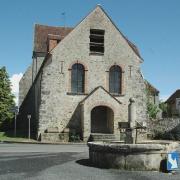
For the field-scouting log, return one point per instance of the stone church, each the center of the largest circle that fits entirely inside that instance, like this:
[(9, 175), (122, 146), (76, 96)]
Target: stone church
[(82, 80)]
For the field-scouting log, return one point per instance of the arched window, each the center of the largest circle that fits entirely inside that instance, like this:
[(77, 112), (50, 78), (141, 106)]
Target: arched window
[(77, 78), (115, 76)]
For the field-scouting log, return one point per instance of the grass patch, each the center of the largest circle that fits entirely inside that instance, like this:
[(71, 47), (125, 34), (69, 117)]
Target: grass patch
[(6, 137)]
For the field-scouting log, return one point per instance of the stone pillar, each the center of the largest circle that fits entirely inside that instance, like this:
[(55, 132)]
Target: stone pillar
[(131, 132), (132, 113)]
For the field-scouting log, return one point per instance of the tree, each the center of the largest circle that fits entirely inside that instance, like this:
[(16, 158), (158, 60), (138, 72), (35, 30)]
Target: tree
[(152, 109), (6, 97)]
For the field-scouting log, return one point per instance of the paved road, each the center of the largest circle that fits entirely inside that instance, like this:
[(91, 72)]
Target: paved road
[(64, 162), (45, 148)]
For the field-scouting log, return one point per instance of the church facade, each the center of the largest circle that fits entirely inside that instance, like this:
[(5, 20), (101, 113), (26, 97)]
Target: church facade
[(82, 79)]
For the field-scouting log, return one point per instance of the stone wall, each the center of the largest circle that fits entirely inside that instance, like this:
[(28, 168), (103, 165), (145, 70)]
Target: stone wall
[(141, 157), (54, 137), (167, 128), (30, 106), (25, 84), (59, 105), (28, 78)]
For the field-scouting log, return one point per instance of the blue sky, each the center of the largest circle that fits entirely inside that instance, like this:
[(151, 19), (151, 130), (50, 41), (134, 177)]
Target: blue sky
[(153, 25)]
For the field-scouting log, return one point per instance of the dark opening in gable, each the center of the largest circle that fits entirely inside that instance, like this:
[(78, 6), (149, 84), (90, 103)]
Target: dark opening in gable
[(97, 31), (96, 45)]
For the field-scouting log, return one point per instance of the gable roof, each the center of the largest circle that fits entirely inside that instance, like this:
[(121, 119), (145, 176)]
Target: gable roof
[(41, 33), (95, 89), (132, 45), (176, 94)]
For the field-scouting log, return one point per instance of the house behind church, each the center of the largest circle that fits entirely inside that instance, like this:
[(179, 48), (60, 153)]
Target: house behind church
[(82, 79), (173, 104)]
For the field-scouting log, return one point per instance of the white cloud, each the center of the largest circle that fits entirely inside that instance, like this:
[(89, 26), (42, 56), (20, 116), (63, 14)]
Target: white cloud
[(15, 78), (164, 97)]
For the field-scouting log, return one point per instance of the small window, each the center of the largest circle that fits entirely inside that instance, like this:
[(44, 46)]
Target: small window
[(115, 76), (96, 41), (77, 78)]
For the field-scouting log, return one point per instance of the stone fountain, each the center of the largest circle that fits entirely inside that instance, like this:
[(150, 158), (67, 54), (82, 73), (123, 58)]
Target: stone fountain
[(147, 155)]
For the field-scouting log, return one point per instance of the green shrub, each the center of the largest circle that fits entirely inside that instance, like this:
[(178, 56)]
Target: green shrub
[(74, 137), (152, 110)]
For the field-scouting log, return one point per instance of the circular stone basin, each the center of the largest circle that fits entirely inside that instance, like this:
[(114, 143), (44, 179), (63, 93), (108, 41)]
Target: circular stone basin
[(146, 156)]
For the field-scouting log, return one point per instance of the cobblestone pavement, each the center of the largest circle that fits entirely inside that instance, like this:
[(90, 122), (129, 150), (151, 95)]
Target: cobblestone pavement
[(64, 162)]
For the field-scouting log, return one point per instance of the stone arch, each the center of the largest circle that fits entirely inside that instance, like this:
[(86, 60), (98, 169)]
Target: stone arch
[(99, 98), (115, 64), (102, 103), (102, 120), (77, 61)]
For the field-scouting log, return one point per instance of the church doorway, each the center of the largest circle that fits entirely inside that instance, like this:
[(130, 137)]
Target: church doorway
[(102, 120)]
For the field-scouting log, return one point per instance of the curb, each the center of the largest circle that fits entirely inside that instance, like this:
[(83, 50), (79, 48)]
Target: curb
[(30, 142)]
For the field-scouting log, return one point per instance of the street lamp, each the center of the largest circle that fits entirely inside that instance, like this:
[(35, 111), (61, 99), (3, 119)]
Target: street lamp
[(29, 125)]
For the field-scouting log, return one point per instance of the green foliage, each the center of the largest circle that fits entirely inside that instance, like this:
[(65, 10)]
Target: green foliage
[(9, 136), (74, 137), (165, 109), (152, 110), (163, 106), (6, 97)]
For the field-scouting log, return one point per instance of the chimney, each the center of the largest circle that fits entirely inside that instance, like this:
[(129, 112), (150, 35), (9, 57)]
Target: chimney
[(52, 41)]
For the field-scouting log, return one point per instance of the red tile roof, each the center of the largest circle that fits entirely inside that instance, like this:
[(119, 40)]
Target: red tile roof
[(41, 33)]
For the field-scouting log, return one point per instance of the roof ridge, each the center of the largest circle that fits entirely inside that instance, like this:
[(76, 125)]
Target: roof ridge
[(172, 95), (36, 24), (135, 48)]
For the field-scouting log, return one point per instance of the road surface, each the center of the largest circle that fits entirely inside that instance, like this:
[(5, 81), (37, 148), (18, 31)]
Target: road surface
[(63, 162)]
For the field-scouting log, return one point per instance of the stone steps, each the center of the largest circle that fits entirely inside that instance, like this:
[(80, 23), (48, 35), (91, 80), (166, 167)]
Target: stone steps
[(102, 137)]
